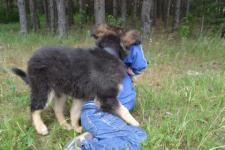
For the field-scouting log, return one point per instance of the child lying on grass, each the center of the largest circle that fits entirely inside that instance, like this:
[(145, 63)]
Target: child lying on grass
[(106, 131)]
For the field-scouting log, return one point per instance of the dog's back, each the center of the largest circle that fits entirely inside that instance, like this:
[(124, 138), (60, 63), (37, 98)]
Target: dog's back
[(76, 72)]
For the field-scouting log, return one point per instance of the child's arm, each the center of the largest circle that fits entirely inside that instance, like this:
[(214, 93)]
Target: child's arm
[(130, 71), (138, 60)]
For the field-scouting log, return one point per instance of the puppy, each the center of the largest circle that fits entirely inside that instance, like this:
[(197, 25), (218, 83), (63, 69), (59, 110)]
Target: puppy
[(84, 74)]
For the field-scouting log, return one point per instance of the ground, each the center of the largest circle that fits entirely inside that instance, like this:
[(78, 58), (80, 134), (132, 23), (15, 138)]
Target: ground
[(180, 100)]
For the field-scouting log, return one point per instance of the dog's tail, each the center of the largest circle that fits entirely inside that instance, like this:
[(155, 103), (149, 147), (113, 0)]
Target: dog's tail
[(22, 74)]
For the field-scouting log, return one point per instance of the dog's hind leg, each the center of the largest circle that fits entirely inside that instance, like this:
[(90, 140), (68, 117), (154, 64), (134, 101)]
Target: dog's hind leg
[(41, 94), (75, 114), (37, 107), (59, 111), (38, 123)]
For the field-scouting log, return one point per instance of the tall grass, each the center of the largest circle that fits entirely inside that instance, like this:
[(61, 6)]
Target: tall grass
[(180, 101)]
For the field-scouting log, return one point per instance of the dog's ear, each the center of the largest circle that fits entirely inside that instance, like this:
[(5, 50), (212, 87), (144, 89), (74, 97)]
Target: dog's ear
[(94, 36), (99, 42), (96, 29)]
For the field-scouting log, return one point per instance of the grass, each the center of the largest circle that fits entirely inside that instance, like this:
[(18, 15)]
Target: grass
[(180, 101)]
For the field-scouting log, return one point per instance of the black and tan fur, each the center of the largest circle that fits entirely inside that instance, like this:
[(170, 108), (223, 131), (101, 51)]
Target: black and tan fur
[(84, 74)]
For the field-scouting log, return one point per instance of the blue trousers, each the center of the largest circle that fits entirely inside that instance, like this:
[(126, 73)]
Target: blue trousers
[(109, 131)]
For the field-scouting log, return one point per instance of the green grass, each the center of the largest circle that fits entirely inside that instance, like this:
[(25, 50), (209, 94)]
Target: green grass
[(180, 101)]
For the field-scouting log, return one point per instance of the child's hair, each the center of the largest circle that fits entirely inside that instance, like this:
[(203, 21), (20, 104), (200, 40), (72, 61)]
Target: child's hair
[(128, 38), (104, 29), (131, 37)]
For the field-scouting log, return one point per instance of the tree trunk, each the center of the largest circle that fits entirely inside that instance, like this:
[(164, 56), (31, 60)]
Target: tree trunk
[(61, 18), (202, 23), (154, 12), (69, 11), (8, 8), (34, 16), (53, 15), (164, 10), (145, 17), (177, 15), (187, 7), (46, 11), (99, 6), (82, 7), (90, 9), (23, 17), (124, 10), (158, 8), (167, 15), (183, 7), (115, 8), (135, 6)]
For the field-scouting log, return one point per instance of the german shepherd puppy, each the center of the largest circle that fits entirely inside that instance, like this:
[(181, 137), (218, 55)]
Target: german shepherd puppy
[(82, 73)]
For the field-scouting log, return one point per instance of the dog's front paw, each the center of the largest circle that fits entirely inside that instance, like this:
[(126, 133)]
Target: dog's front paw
[(67, 126), (43, 130)]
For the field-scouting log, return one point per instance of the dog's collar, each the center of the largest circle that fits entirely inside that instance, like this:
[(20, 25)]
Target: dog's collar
[(111, 51)]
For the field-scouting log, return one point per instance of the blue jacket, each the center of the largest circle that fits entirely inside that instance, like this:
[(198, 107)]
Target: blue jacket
[(137, 62)]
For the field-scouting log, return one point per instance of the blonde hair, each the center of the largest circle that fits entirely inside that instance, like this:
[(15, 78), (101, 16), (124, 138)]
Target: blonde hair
[(131, 37), (127, 37), (104, 29)]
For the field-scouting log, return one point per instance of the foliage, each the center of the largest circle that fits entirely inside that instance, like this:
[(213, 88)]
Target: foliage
[(213, 11), (111, 20), (184, 31), (186, 26), (7, 17), (83, 17)]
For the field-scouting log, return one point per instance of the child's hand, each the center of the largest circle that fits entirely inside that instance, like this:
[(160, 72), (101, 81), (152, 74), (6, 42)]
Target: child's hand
[(130, 71)]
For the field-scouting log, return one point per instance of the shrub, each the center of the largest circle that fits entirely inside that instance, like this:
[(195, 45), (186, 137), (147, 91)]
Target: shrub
[(117, 22)]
